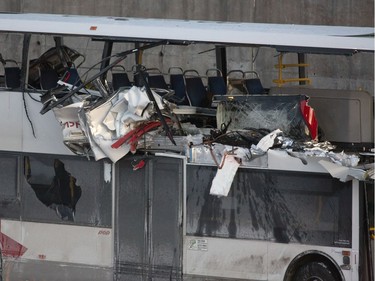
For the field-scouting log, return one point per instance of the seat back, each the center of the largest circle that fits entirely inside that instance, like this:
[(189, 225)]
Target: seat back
[(12, 77), (216, 83), (12, 74), (156, 79), (236, 82), (253, 85), (177, 84), (195, 89), (72, 77), (48, 78), (120, 79)]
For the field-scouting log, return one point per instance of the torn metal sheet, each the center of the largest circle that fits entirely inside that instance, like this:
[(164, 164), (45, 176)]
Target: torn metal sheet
[(104, 123), (268, 141), (73, 135), (280, 159), (348, 160), (101, 136), (223, 180), (343, 173)]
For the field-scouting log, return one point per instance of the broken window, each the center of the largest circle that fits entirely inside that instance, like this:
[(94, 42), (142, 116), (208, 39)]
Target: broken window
[(56, 189), (72, 189)]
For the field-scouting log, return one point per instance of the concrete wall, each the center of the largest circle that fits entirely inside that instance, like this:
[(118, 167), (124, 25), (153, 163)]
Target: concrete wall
[(339, 72)]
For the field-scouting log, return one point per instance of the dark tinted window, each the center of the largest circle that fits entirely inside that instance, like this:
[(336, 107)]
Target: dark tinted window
[(271, 205), (9, 199), (8, 177)]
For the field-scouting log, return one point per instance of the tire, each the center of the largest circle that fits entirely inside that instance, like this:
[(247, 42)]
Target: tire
[(315, 271)]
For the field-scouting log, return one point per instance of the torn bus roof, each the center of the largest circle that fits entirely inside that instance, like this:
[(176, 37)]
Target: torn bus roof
[(127, 122)]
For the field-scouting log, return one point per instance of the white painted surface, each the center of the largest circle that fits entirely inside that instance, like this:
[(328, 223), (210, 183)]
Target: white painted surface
[(250, 260), (231, 258), (11, 121), (16, 130), (280, 160), (311, 36), (62, 243)]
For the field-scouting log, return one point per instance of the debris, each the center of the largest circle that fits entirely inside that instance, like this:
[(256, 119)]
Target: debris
[(223, 180), (343, 173), (268, 141)]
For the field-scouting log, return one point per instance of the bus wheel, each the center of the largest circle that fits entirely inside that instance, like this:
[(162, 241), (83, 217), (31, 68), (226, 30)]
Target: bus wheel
[(314, 271)]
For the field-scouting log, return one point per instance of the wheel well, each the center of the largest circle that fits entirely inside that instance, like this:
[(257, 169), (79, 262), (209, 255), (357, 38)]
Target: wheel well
[(313, 256)]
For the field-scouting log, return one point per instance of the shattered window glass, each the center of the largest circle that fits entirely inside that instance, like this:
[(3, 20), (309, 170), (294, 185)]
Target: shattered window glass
[(66, 190), (265, 112), (269, 205)]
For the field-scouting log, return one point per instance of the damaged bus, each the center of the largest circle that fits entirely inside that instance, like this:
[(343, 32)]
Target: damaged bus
[(121, 162)]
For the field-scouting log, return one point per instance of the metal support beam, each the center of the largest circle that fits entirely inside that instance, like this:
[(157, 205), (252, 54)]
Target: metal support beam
[(302, 69), (108, 45), (221, 60)]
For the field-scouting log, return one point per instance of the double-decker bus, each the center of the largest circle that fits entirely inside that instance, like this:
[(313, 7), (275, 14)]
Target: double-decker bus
[(67, 213)]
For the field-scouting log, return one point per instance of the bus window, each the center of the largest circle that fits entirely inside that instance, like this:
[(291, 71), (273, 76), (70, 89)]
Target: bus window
[(269, 205), (10, 60), (320, 205), (8, 178), (73, 190), (9, 200)]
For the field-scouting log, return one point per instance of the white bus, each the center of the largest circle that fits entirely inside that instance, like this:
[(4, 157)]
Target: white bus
[(68, 214)]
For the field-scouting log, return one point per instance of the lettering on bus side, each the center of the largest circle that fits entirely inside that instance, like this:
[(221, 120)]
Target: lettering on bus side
[(104, 232), (70, 124)]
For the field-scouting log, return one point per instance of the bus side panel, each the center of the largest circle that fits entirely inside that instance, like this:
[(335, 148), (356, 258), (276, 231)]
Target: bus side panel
[(60, 243), (11, 121), (230, 236), (26, 129), (281, 255), (228, 258)]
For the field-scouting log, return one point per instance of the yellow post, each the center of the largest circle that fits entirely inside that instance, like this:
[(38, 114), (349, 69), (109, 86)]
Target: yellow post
[(280, 66)]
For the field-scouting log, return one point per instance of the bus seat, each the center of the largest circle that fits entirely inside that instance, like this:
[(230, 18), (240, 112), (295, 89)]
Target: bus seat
[(120, 78), (156, 79), (72, 77), (195, 89), (12, 74), (12, 77), (254, 85), (216, 83), (236, 82), (48, 78), (177, 84)]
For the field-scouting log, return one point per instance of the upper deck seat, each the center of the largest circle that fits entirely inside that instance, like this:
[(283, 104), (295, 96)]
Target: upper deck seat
[(48, 78), (12, 74), (216, 83), (120, 78), (253, 85), (156, 79), (177, 84), (236, 82), (195, 89)]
